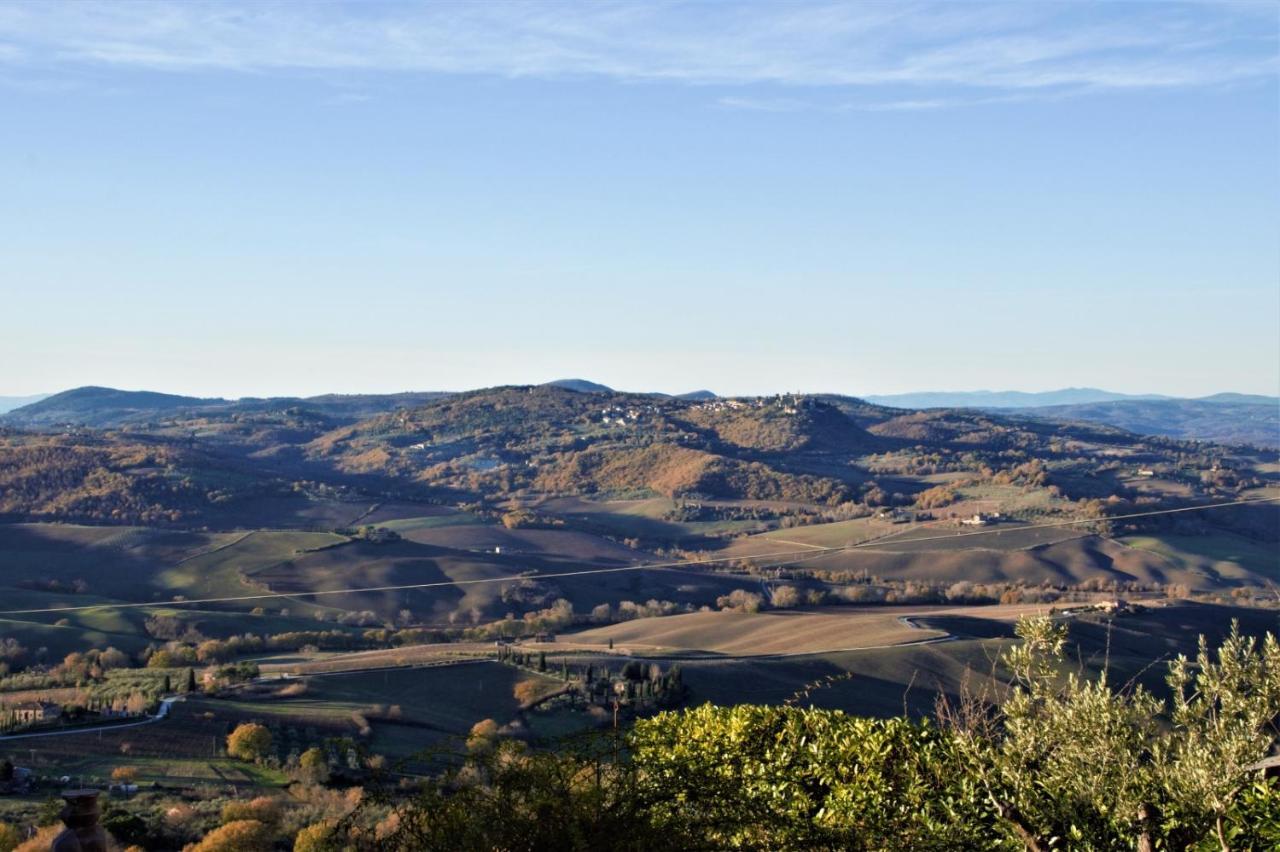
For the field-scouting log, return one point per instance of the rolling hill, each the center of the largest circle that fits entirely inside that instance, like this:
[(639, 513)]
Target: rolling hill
[(581, 386), (109, 408), (102, 407), (210, 461), (551, 439)]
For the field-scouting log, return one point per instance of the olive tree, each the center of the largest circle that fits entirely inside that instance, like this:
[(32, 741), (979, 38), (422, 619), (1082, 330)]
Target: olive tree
[(1069, 760)]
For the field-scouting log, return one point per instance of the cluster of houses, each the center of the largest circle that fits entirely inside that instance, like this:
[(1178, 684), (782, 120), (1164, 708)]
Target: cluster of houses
[(787, 403), (1116, 606), (895, 515), (624, 416), (36, 712), (27, 714), (1112, 606), (721, 405)]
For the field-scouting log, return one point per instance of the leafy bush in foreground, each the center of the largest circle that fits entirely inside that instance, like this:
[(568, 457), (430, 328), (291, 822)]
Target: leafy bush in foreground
[(1062, 763)]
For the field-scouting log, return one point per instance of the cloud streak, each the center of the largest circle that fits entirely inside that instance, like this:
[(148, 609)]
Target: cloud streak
[(996, 47)]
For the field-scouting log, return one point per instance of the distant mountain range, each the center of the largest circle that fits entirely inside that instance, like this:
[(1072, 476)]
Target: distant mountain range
[(1041, 399), (9, 403), (1225, 417), (107, 408), (1214, 418), (1233, 418)]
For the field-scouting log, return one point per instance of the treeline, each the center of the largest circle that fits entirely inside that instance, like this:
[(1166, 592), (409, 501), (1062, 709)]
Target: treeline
[(117, 479), (210, 651), (104, 477), (637, 687), (23, 669)]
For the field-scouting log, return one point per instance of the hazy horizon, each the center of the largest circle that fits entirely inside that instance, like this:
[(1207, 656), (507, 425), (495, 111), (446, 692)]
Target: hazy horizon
[(611, 386)]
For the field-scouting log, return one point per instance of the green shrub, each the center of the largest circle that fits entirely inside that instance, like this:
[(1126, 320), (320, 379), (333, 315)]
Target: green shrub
[(249, 741), (1062, 762)]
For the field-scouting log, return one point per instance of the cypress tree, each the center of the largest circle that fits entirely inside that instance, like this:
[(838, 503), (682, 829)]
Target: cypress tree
[(191, 680)]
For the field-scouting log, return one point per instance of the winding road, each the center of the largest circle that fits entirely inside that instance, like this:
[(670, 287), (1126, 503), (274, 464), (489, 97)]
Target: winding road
[(161, 712)]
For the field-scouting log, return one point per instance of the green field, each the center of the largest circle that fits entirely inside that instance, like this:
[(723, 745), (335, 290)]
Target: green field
[(837, 534), (135, 565), (125, 629), (449, 699), (1006, 499), (1221, 554), (221, 573), (1001, 536), (404, 526), (114, 562), (184, 749), (140, 565), (643, 519), (553, 545)]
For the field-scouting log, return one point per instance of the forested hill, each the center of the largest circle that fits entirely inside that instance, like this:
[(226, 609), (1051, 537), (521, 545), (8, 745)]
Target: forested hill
[(187, 461), (109, 408), (102, 407), (548, 438)]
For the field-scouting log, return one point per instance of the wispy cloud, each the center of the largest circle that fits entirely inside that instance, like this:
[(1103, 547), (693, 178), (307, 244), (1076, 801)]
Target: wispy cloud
[(870, 105), (769, 104), (996, 47)]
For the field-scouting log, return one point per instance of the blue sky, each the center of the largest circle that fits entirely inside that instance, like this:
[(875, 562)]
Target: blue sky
[(259, 199)]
